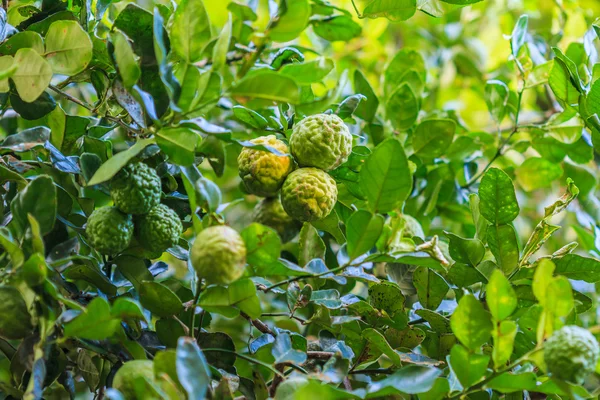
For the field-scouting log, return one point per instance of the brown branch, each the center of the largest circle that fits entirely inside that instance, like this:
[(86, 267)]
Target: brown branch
[(258, 324), (277, 379), (320, 355)]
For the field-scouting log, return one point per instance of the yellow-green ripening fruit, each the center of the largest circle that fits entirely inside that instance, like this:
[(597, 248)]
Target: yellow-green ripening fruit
[(261, 171), (108, 230), (322, 141), (309, 194), (158, 230), (136, 189), (571, 354), (218, 255), (125, 378), (15, 320), (270, 212)]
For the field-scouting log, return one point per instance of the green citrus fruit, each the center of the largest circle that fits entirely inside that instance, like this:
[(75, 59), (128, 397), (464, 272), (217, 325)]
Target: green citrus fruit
[(218, 255), (270, 212), (261, 171), (158, 230), (322, 141), (126, 376), (571, 354), (308, 194), (15, 320), (136, 189), (108, 230)]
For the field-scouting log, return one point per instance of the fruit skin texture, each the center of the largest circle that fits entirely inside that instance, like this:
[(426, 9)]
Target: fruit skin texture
[(571, 354), (322, 141), (158, 230), (15, 320), (218, 255), (136, 189), (263, 172), (308, 194), (124, 380), (108, 230), (270, 212)]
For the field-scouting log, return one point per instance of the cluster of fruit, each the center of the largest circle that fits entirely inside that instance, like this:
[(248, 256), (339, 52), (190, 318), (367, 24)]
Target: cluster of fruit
[(137, 212), (318, 143)]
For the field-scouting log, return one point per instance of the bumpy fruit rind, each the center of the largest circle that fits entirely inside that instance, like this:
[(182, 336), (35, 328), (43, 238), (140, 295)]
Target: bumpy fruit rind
[(322, 141), (261, 171), (270, 212), (15, 320), (158, 230), (308, 194), (108, 230), (571, 354), (218, 255), (125, 378), (136, 189)]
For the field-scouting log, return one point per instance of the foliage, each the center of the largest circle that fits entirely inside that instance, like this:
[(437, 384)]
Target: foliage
[(431, 222)]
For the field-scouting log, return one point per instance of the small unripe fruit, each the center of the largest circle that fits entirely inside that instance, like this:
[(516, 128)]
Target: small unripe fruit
[(124, 380), (108, 230), (308, 194), (322, 141), (136, 189), (270, 212), (261, 171), (218, 255), (571, 354), (158, 230)]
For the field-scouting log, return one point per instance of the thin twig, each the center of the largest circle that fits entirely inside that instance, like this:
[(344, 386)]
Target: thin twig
[(301, 320)]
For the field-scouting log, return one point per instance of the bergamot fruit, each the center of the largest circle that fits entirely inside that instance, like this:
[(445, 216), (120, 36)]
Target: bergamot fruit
[(218, 255), (136, 189), (126, 377), (270, 212), (261, 171), (571, 354), (158, 230), (108, 230), (322, 141), (308, 194)]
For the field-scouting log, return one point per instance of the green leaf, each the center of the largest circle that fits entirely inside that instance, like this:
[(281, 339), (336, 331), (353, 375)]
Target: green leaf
[(411, 379), (496, 98), (305, 73), (39, 199), (7, 69), (310, 244), (461, 2), (192, 369), (388, 297), (117, 162), (178, 143), (368, 107), (15, 320), (467, 251), (127, 62), (519, 35), (394, 10), (561, 85), (190, 30), (504, 338), (92, 275), (431, 287), (362, 230), (470, 322), (501, 297), (159, 299), (536, 173), (32, 76), (402, 108), (403, 62), (502, 241), (268, 85), (242, 294), (336, 28), (469, 367), (559, 297), (377, 341), (574, 266), (292, 19), (68, 48), (498, 202), (385, 178), (284, 352), (433, 137), (94, 323), (541, 279), (222, 47), (263, 245), (22, 40)]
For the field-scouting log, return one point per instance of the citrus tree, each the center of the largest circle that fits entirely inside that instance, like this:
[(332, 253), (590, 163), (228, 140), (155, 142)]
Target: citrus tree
[(299, 199)]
